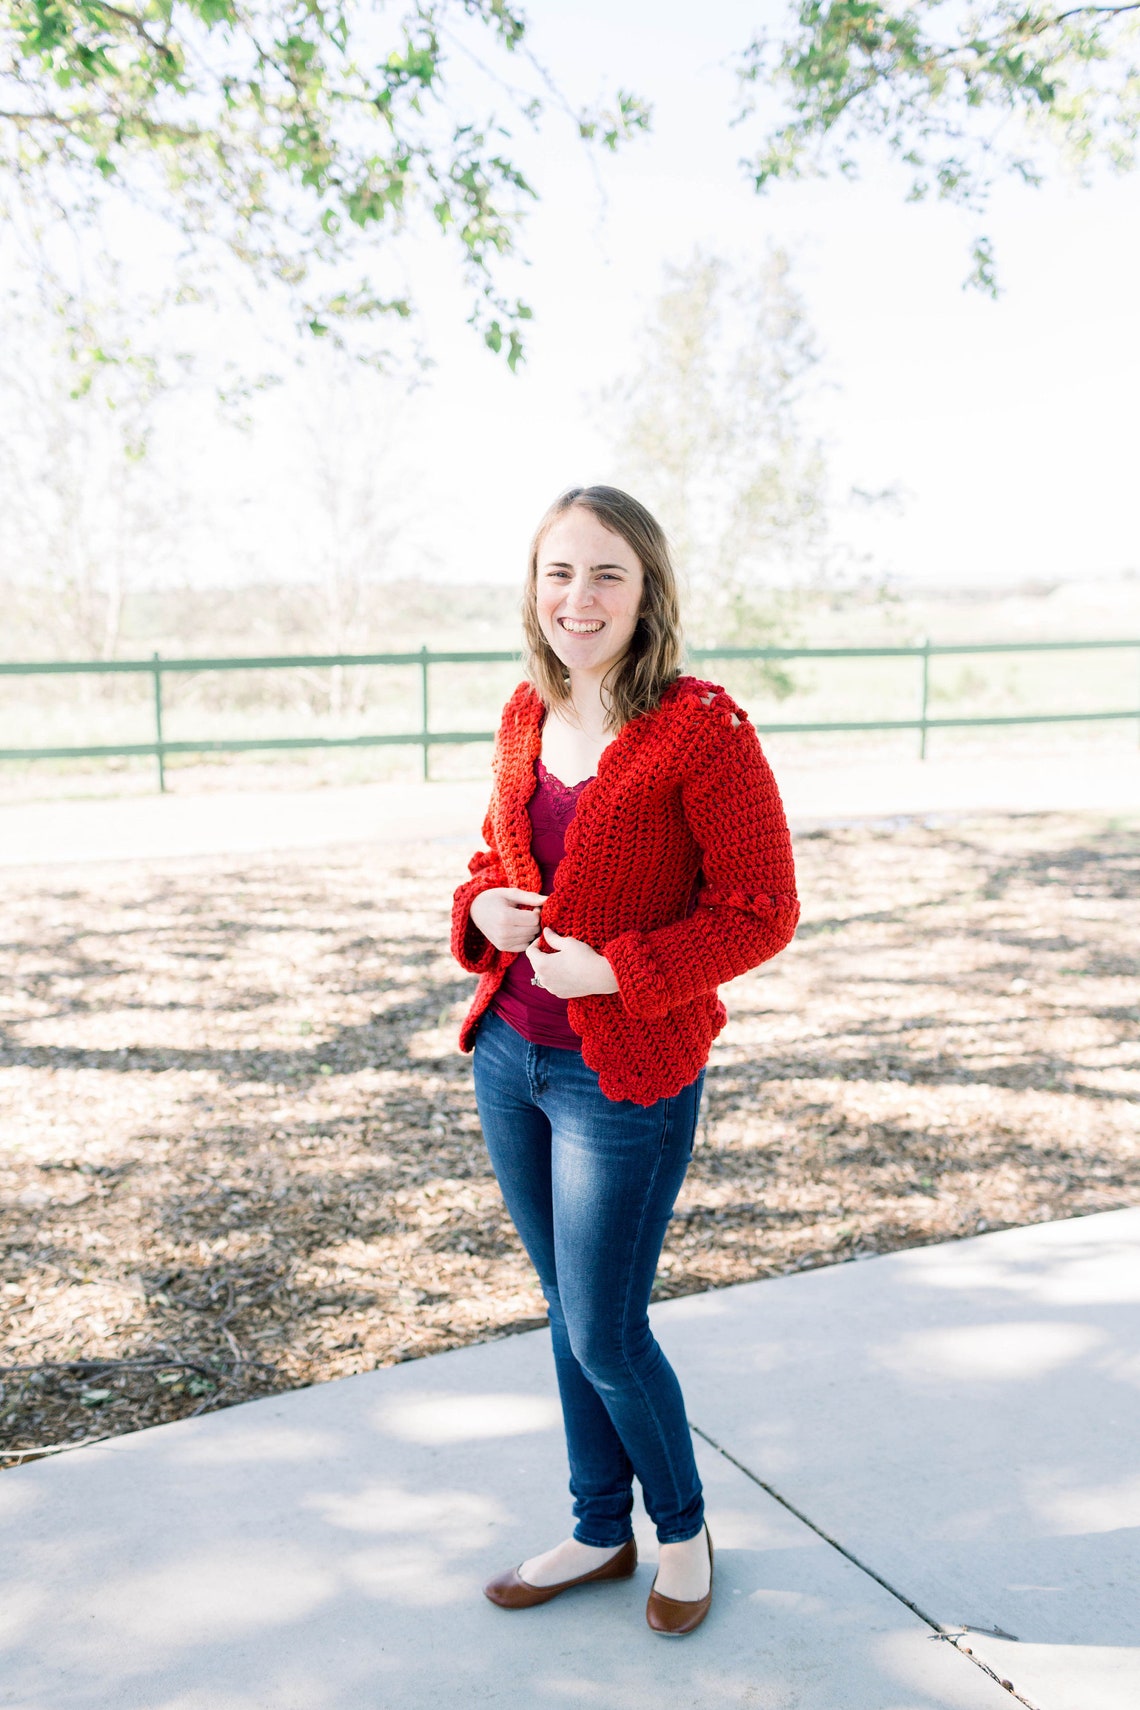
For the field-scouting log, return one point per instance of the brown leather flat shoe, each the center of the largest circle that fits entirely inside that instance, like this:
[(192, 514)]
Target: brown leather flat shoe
[(511, 1592), (674, 1617)]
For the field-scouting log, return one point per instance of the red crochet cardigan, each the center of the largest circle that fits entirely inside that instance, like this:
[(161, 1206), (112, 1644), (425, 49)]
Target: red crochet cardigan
[(681, 791)]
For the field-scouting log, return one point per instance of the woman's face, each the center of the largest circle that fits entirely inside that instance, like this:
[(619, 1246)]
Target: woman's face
[(588, 592)]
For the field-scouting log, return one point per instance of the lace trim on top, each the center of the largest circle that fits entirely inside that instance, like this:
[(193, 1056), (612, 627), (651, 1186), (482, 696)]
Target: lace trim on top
[(561, 798)]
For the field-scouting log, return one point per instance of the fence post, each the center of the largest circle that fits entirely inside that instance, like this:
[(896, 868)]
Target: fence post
[(159, 755), (424, 708), (925, 701)]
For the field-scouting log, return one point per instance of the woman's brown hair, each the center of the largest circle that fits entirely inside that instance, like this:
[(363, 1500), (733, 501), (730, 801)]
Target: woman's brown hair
[(653, 658)]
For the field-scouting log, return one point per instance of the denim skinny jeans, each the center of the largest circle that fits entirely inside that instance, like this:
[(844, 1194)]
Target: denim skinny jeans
[(590, 1184)]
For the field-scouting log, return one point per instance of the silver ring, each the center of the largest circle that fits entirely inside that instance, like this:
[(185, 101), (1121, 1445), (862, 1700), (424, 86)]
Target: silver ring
[(535, 981)]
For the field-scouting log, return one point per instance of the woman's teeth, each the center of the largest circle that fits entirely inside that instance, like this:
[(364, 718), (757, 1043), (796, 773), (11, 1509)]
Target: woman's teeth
[(577, 628)]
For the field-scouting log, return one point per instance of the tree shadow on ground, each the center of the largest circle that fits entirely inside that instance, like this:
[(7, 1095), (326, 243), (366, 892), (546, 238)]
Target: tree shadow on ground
[(247, 1154)]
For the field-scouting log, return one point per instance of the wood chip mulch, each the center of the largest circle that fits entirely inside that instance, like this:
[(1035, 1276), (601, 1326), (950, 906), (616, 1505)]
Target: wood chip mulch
[(239, 1150)]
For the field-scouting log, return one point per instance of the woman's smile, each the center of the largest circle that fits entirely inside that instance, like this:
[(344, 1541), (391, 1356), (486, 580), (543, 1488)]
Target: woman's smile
[(581, 626)]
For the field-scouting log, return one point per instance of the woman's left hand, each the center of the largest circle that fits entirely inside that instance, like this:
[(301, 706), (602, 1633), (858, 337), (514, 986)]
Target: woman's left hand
[(571, 969)]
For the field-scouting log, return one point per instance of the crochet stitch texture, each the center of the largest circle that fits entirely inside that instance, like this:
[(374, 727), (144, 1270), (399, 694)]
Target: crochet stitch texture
[(681, 790)]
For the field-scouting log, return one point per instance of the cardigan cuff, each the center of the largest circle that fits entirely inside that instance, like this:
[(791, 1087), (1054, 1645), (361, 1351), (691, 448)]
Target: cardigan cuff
[(642, 986)]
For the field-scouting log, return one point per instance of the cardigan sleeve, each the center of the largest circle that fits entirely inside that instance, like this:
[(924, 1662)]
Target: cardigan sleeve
[(468, 945), (747, 909)]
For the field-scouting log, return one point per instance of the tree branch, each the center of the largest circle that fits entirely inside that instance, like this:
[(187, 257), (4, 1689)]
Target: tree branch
[(155, 128), (1096, 12)]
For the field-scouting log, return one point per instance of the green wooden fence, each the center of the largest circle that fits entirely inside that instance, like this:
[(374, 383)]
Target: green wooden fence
[(158, 668)]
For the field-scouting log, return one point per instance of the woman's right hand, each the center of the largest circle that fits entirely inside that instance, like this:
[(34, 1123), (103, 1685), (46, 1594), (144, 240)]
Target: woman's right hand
[(507, 918)]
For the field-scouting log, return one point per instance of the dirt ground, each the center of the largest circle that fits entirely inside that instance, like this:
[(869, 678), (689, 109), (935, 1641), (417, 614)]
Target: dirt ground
[(240, 1150)]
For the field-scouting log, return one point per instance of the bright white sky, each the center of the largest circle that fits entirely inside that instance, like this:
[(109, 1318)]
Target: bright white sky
[(1008, 426)]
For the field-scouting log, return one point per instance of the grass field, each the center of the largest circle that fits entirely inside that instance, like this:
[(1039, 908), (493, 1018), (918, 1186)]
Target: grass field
[(240, 1151)]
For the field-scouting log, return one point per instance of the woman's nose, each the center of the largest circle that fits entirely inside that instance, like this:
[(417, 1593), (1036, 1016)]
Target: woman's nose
[(580, 593)]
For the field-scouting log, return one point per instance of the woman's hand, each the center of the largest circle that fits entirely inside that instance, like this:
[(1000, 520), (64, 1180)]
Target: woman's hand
[(507, 918), (571, 969)]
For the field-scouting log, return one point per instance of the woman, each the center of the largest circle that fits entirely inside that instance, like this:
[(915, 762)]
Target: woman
[(637, 855)]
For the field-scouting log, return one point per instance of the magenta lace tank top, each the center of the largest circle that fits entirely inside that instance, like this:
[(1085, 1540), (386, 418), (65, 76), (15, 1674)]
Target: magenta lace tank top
[(537, 1014)]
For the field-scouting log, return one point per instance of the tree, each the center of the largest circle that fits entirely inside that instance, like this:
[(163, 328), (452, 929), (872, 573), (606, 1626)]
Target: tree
[(708, 430), (356, 498), (84, 514), (300, 134), (959, 97)]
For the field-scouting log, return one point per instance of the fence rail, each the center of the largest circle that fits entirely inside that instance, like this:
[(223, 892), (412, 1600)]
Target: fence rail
[(427, 738)]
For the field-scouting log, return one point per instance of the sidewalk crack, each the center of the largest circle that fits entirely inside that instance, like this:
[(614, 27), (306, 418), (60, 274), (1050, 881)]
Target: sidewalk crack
[(949, 1635)]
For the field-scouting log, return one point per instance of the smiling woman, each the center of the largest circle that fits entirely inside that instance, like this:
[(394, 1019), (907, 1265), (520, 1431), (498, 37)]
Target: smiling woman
[(636, 856), (599, 569)]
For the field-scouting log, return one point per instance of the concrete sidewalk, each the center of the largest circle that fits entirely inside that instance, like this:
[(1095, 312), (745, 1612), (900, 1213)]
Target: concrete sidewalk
[(960, 1419), (153, 827), (251, 822)]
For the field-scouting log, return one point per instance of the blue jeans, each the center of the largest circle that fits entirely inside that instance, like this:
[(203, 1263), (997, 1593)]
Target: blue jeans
[(590, 1183)]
